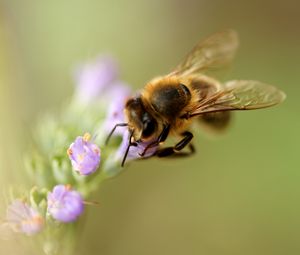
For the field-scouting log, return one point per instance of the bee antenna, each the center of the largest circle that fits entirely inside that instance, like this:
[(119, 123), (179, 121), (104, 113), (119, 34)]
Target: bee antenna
[(113, 130), (128, 147)]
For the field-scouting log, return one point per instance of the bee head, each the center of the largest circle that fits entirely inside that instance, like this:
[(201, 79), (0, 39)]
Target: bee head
[(144, 126)]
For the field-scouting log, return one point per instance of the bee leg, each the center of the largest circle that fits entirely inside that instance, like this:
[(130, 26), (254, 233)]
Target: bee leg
[(192, 148), (168, 151), (113, 130), (161, 138), (182, 154), (128, 147)]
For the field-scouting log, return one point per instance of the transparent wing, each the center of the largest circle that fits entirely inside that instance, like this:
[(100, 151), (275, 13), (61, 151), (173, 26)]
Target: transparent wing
[(240, 95), (215, 52)]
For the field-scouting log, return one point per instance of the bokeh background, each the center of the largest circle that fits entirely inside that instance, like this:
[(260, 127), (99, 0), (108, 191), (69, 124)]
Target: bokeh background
[(240, 194)]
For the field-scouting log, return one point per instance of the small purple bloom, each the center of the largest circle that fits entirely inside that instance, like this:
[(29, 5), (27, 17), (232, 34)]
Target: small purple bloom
[(93, 78), (22, 218), (84, 155), (65, 204), (134, 151), (115, 114)]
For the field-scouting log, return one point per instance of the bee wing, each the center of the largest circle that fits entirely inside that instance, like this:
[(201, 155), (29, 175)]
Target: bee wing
[(240, 95), (215, 52)]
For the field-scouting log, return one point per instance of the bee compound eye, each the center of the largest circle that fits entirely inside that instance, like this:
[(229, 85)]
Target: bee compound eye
[(149, 127)]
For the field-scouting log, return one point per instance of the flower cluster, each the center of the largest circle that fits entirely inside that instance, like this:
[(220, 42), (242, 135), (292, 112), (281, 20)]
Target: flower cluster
[(67, 163)]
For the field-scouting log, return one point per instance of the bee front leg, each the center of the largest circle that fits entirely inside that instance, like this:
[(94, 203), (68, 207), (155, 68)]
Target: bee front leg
[(176, 150)]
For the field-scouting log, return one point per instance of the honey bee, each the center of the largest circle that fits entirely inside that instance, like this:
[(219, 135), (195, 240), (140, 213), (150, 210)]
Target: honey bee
[(169, 104)]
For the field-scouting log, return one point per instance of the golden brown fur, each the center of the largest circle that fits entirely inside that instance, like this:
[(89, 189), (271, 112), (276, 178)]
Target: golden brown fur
[(199, 86)]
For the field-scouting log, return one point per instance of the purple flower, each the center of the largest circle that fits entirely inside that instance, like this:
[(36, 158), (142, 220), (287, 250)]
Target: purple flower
[(115, 113), (64, 204), (94, 78), (84, 155), (22, 218), (134, 151)]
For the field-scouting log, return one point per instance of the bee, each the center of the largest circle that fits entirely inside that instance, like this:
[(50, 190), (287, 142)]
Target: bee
[(169, 104)]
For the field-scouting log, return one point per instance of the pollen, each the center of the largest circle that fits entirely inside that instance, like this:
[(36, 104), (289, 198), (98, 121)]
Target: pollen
[(86, 137), (69, 152), (38, 220), (80, 157), (68, 187)]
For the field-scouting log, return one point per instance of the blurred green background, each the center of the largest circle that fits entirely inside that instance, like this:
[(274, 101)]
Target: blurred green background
[(240, 194)]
